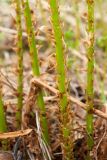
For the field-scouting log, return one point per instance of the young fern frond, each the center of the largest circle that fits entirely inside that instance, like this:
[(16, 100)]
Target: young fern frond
[(65, 110)]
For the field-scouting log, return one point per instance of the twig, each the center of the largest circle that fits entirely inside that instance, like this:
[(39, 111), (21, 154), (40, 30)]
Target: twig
[(8, 81), (72, 99), (15, 134), (14, 32)]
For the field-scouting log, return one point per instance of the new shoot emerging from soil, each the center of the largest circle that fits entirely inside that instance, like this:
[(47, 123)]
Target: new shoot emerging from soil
[(20, 62), (3, 125), (65, 110), (90, 74), (35, 64)]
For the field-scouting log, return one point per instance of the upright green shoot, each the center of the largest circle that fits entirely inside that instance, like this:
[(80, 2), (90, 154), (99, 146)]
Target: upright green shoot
[(3, 125), (20, 62), (90, 74), (65, 110), (35, 64), (77, 18)]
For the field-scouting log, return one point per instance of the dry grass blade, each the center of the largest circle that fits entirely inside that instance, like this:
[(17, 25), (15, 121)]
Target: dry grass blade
[(43, 145), (15, 134)]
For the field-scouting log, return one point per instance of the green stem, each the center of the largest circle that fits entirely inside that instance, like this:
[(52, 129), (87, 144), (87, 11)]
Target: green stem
[(66, 121), (76, 11), (35, 65), (20, 63), (90, 74), (3, 125)]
